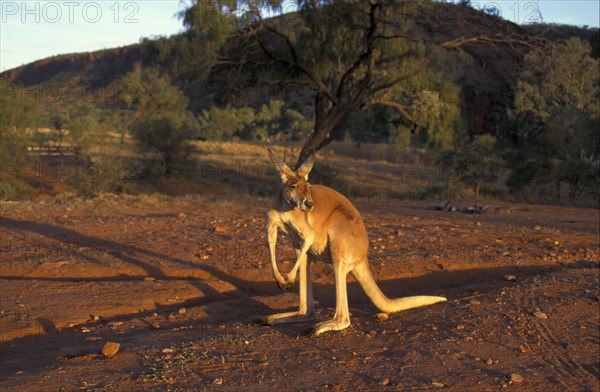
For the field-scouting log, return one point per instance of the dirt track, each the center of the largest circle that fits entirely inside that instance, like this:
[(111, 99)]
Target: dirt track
[(135, 262)]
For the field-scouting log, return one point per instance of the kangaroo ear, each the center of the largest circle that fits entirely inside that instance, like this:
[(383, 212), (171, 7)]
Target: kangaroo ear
[(307, 165), (285, 172)]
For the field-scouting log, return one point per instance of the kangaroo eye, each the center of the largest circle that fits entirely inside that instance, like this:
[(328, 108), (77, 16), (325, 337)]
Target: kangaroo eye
[(293, 186)]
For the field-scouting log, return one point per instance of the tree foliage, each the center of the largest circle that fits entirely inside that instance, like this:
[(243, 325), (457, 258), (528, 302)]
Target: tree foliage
[(18, 118), (557, 118), (345, 55), (18, 115), (272, 121), (473, 162), (160, 121)]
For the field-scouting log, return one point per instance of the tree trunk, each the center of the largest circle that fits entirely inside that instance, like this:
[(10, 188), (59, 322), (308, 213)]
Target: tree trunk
[(324, 131)]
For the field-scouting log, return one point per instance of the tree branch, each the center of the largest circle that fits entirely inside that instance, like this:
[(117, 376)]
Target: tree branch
[(294, 63), (320, 86), (449, 45), (363, 56), (482, 38), (401, 78), (278, 33), (400, 108)]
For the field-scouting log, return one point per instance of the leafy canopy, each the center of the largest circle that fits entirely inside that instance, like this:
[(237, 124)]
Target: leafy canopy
[(557, 118), (160, 121), (345, 55)]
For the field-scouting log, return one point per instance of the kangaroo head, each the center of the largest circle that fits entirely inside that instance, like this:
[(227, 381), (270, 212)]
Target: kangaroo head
[(295, 188)]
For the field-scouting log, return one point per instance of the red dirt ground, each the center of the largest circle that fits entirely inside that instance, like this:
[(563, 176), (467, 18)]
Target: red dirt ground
[(178, 282)]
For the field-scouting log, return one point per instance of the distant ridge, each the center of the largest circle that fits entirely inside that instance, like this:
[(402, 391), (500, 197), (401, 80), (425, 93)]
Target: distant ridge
[(99, 68)]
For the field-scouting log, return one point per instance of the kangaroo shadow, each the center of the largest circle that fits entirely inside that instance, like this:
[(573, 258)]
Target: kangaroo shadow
[(81, 244), (132, 255)]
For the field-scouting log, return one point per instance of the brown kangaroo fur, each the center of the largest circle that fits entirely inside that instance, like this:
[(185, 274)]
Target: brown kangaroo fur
[(322, 223)]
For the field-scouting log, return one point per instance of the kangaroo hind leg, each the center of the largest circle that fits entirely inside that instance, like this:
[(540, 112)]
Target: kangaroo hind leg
[(341, 319)]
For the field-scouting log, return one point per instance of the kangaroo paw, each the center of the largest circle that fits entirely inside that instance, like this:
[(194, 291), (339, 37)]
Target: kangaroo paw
[(285, 286), (288, 317)]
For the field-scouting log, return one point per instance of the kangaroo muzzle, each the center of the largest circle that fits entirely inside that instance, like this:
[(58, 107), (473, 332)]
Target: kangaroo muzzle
[(306, 205)]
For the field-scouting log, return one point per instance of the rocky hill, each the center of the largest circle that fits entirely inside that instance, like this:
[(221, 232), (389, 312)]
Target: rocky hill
[(99, 69)]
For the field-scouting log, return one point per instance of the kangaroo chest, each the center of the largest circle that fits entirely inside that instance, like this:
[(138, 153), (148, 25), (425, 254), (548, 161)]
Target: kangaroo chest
[(297, 231)]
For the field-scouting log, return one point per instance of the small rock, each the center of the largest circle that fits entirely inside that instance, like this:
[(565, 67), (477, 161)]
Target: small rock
[(110, 349), (537, 228), (489, 361), (218, 381), (156, 325), (516, 378), (181, 215), (385, 382), (168, 350), (510, 278), (474, 302), (460, 327), (382, 316), (149, 279), (220, 230), (438, 384), (114, 324), (540, 315), (477, 223), (181, 311), (95, 318), (522, 349)]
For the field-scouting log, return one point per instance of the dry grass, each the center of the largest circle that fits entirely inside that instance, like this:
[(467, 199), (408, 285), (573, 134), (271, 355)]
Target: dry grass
[(233, 169), (368, 170)]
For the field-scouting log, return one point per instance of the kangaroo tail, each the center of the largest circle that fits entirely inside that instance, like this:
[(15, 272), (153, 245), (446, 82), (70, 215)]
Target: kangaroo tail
[(363, 275)]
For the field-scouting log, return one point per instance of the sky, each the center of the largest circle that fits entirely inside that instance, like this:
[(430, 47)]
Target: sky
[(33, 30)]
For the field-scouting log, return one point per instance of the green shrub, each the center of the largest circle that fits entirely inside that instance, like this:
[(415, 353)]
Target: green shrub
[(15, 190), (102, 176)]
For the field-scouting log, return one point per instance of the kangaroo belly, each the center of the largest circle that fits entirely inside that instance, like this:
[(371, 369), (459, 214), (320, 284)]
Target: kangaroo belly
[(320, 248), (320, 253)]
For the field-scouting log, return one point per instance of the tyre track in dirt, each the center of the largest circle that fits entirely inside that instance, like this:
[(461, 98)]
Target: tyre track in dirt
[(558, 360)]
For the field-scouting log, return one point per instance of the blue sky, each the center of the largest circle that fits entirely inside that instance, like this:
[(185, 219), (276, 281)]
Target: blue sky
[(33, 30)]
